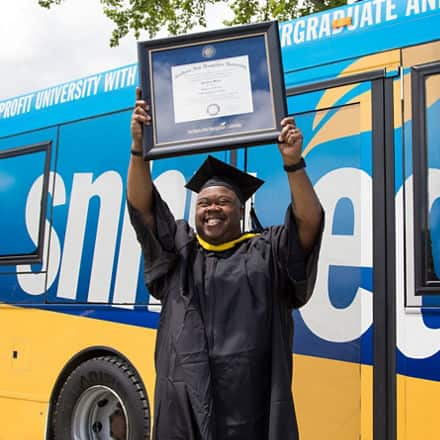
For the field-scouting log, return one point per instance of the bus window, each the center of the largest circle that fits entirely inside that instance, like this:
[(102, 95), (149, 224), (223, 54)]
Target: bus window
[(19, 170), (426, 161), (432, 112)]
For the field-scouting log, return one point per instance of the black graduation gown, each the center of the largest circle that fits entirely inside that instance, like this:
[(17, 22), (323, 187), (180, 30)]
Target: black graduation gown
[(224, 344)]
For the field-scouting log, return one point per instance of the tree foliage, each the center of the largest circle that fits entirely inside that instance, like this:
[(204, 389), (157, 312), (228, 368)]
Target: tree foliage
[(181, 16)]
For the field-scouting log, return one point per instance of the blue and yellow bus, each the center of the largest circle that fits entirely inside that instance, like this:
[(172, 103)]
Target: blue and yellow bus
[(77, 324)]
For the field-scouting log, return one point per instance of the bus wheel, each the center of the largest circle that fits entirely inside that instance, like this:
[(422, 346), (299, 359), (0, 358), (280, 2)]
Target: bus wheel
[(102, 399)]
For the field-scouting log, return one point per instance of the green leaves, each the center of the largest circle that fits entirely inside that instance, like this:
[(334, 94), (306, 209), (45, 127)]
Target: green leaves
[(48, 3), (182, 16)]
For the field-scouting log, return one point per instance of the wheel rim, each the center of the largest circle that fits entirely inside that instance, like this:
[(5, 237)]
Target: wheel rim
[(94, 412)]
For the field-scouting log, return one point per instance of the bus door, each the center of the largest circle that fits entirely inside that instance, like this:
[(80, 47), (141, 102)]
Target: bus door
[(418, 247), (333, 344)]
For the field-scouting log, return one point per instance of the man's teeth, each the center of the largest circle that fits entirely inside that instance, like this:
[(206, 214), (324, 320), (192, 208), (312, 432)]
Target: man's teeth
[(213, 221)]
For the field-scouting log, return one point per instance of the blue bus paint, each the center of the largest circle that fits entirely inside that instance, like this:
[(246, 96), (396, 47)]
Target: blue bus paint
[(87, 120)]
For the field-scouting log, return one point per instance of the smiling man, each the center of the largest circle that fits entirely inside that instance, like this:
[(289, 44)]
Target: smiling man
[(222, 192), (223, 353), (218, 215)]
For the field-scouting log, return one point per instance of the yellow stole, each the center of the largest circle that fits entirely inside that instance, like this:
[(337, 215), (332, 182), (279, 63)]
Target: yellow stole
[(224, 246)]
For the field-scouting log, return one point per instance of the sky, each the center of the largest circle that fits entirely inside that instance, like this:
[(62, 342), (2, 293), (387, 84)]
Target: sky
[(40, 48)]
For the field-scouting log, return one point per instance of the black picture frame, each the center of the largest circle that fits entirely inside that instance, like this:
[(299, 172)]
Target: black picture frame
[(234, 74)]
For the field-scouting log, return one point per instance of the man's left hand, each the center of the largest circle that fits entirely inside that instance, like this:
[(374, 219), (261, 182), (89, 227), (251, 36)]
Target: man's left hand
[(290, 141)]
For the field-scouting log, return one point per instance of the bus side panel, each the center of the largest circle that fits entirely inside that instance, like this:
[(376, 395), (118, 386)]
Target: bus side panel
[(28, 378)]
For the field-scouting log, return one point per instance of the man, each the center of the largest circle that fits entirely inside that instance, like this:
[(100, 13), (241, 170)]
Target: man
[(223, 350)]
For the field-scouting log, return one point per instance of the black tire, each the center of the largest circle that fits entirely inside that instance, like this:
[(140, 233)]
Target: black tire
[(96, 391)]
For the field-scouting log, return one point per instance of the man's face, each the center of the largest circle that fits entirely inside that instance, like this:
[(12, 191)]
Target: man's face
[(218, 215)]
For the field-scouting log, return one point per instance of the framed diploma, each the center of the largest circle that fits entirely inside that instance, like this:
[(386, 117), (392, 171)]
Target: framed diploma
[(212, 90)]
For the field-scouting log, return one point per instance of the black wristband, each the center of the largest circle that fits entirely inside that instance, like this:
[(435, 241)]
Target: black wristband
[(296, 166), (136, 153)]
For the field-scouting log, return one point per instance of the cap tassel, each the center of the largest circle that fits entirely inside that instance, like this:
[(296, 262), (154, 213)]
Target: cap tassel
[(255, 223)]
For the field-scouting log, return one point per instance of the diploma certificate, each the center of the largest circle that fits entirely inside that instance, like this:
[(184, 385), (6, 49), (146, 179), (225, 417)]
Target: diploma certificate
[(211, 89)]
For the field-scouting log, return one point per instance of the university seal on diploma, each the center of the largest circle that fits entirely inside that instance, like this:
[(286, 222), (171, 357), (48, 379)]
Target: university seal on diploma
[(212, 90)]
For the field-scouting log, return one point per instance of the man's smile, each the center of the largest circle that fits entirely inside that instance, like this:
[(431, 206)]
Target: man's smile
[(213, 220)]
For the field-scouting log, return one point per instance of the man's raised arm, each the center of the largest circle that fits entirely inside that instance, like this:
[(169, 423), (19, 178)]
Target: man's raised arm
[(305, 204), (139, 183)]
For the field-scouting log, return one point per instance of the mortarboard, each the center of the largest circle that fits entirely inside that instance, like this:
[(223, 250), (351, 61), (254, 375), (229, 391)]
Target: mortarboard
[(214, 172)]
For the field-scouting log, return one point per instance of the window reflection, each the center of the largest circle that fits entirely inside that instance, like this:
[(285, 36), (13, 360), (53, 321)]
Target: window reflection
[(17, 175), (432, 112)]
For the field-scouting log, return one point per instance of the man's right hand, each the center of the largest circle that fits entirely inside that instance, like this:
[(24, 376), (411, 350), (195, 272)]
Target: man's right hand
[(139, 118), (139, 183)]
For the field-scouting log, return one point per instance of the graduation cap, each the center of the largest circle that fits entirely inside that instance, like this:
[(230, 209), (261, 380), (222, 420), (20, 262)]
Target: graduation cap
[(214, 172)]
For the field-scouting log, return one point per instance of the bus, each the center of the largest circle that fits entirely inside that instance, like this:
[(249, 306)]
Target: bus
[(78, 325)]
